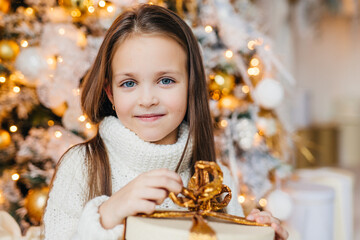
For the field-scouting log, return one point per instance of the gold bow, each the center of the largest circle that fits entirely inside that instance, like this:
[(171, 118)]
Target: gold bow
[(203, 194), (202, 198)]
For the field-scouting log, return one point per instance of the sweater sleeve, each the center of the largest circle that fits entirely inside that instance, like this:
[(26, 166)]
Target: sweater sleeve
[(233, 207), (67, 215)]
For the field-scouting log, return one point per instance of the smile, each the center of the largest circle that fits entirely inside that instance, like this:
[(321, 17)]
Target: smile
[(149, 117)]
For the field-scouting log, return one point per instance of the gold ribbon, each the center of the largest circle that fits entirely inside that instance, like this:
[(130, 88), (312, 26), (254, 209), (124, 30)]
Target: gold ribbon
[(203, 198)]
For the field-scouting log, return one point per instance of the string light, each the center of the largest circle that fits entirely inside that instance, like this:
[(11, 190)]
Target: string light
[(29, 11), (91, 9), (16, 89), (102, 4), (208, 29), (229, 54), (151, 3), (50, 61), (254, 71), (2, 79), (251, 44), (110, 9), (241, 199), (15, 177), (75, 13), (58, 134), (82, 118), (254, 62), (88, 125), (219, 80), (61, 31), (245, 89), (226, 102), (60, 59), (24, 43), (224, 123), (50, 123), (13, 128), (262, 202), (76, 91)]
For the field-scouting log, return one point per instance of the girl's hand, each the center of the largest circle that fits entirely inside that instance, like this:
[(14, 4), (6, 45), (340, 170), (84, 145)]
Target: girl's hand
[(266, 218), (141, 195)]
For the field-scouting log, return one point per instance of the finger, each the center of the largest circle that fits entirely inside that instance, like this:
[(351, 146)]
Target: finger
[(252, 214), (145, 206), (165, 172), (264, 217), (280, 232), (255, 210), (164, 182), (154, 194)]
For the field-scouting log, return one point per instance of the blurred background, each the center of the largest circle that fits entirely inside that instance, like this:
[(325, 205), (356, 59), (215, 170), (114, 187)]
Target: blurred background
[(284, 90)]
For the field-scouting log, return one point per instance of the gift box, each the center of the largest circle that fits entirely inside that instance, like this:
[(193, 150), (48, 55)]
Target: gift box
[(203, 221), (180, 228)]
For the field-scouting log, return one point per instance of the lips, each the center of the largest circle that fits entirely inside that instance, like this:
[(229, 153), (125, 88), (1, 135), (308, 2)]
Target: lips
[(149, 117)]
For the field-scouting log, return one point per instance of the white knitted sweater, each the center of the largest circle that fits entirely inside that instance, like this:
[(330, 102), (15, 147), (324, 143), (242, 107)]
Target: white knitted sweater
[(69, 216)]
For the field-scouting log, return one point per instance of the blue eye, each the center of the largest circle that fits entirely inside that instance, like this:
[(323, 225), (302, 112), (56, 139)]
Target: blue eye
[(128, 84), (166, 81)]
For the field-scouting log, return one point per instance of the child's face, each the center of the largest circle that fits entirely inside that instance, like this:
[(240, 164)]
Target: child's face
[(150, 87)]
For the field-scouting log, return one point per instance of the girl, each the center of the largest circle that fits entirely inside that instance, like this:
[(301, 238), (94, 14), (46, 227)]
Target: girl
[(147, 92)]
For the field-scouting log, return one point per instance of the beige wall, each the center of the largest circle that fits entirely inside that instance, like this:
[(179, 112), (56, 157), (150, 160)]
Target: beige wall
[(327, 66)]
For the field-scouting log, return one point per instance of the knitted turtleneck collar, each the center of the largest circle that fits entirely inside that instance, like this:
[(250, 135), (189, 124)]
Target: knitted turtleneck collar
[(125, 146)]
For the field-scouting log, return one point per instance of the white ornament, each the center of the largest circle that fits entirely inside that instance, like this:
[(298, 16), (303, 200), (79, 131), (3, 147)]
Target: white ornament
[(214, 108), (269, 93), (245, 132), (31, 63), (280, 205), (267, 126)]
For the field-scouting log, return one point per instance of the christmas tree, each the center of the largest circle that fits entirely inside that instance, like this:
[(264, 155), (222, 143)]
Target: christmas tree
[(46, 48)]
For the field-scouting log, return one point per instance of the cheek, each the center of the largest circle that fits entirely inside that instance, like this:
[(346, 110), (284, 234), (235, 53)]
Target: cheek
[(123, 106), (179, 104)]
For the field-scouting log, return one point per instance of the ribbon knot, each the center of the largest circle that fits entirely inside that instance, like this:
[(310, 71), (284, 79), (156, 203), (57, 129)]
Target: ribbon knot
[(204, 189)]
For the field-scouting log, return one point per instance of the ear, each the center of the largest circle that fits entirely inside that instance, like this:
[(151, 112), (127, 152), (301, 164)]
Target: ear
[(109, 94)]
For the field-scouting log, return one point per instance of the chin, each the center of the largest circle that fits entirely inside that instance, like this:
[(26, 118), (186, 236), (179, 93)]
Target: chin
[(151, 138)]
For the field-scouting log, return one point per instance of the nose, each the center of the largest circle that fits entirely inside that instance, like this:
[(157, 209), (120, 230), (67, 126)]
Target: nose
[(148, 97)]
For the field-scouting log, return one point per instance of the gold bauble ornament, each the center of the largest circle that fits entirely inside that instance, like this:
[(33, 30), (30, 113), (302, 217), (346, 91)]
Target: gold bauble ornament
[(8, 50), (35, 202), (222, 82), (229, 102), (4, 6), (5, 139), (82, 5)]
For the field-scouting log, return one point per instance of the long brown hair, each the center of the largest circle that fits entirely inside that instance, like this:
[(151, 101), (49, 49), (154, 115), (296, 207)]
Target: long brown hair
[(144, 19)]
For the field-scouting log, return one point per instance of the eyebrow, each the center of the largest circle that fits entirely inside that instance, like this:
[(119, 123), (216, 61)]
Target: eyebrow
[(129, 74)]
